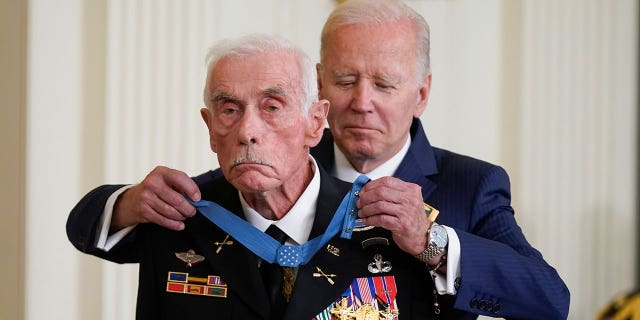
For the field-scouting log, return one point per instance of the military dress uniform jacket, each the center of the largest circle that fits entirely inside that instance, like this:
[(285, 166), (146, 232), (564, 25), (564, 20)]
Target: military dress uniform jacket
[(237, 291)]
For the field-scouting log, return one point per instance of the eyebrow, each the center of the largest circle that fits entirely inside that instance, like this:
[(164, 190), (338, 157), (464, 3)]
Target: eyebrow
[(340, 74), (221, 95), (271, 91), (275, 91)]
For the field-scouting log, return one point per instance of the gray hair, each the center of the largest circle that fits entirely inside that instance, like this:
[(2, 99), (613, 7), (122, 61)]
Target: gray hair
[(261, 43), (376, 12)]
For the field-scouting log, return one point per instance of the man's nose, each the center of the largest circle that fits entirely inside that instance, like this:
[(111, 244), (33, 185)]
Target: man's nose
[(362, 100), (249, 127)]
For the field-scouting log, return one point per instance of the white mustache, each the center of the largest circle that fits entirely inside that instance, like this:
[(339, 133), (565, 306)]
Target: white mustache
[(249, 158)]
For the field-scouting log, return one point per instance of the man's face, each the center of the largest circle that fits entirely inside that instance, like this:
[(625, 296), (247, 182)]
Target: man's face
[(255, 123), (368, 73)]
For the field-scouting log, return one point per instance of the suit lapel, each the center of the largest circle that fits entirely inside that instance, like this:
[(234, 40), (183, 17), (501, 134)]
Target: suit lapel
[(420, 161)]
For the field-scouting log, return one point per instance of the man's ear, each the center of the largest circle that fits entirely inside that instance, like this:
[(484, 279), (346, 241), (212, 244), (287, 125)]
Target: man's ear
[(423, 96), (207, 117), (316, 118)]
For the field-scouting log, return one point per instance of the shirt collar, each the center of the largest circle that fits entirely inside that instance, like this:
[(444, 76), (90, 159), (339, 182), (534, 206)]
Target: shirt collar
[(296, 223), (344, 170)]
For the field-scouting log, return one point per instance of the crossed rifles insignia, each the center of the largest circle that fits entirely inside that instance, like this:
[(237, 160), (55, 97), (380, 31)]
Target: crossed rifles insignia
[(321, 273), (226, 241)]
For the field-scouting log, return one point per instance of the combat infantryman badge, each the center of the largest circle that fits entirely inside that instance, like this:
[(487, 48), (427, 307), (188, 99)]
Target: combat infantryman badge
[(190, 257)]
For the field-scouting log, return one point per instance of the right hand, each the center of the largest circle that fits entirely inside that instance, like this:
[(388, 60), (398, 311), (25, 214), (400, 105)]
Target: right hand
[(157, 199)]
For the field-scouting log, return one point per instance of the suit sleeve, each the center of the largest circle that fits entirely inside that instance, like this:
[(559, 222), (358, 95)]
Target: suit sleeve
[(501, 273), (83, 223)]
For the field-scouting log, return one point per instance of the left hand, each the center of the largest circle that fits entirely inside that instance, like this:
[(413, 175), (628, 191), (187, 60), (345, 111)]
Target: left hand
[(397, 206)]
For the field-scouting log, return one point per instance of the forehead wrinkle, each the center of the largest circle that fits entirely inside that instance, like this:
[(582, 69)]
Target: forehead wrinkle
[(387, 78)]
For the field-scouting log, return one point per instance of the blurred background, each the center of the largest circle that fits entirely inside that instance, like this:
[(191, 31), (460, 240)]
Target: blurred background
[(101, 91)]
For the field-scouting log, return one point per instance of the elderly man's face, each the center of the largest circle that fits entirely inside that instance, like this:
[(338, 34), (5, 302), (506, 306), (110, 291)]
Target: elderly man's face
[(368, 73), (255, 122)]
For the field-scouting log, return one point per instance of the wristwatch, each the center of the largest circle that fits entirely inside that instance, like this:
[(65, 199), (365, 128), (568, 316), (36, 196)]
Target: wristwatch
[(438, 241)]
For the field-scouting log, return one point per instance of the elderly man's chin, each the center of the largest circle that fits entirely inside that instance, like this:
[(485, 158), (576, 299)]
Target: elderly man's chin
[(248, 180), (361, 148)]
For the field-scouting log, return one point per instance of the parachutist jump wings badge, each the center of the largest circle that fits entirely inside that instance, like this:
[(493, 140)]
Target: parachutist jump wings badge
[(190, 257)]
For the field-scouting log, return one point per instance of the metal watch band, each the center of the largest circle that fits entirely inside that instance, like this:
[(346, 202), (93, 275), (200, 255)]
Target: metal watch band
[(431, 251)]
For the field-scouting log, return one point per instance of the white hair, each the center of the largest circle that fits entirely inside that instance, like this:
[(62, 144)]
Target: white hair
[(262, 43), (376, 12)]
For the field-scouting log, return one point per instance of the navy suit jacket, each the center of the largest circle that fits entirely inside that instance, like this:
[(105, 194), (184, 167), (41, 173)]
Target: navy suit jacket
[(501, 274)]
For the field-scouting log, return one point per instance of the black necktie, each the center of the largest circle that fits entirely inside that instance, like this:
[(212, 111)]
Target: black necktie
[(273, 277)]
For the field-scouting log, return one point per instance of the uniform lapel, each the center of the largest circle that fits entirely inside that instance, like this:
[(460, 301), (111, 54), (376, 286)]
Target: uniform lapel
[(235, 264), (313, 293)]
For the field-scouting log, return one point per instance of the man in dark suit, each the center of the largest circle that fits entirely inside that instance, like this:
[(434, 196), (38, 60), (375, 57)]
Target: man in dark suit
[(375, 72)]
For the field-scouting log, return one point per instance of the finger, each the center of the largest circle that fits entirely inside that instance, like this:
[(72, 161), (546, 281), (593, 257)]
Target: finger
[(393, 216), (391, 189), (389, 182), (381, 220), (170, 200), (167, 210), (180, 182), (153, 216), (169, 185), (379, 208)]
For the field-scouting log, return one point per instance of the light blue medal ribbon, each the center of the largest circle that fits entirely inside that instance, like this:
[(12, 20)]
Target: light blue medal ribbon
[(271, 250)]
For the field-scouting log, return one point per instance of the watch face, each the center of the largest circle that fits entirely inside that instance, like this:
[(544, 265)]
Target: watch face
[(439, 236)]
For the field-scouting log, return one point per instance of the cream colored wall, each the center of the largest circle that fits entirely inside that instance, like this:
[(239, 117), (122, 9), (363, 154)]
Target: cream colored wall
[(13, 28), (113, 88)]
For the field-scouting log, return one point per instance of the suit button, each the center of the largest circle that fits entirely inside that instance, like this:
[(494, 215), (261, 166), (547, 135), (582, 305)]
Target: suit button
[(496, 308), (482, 304), (457, 283), (488, 306), (473, 303)]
